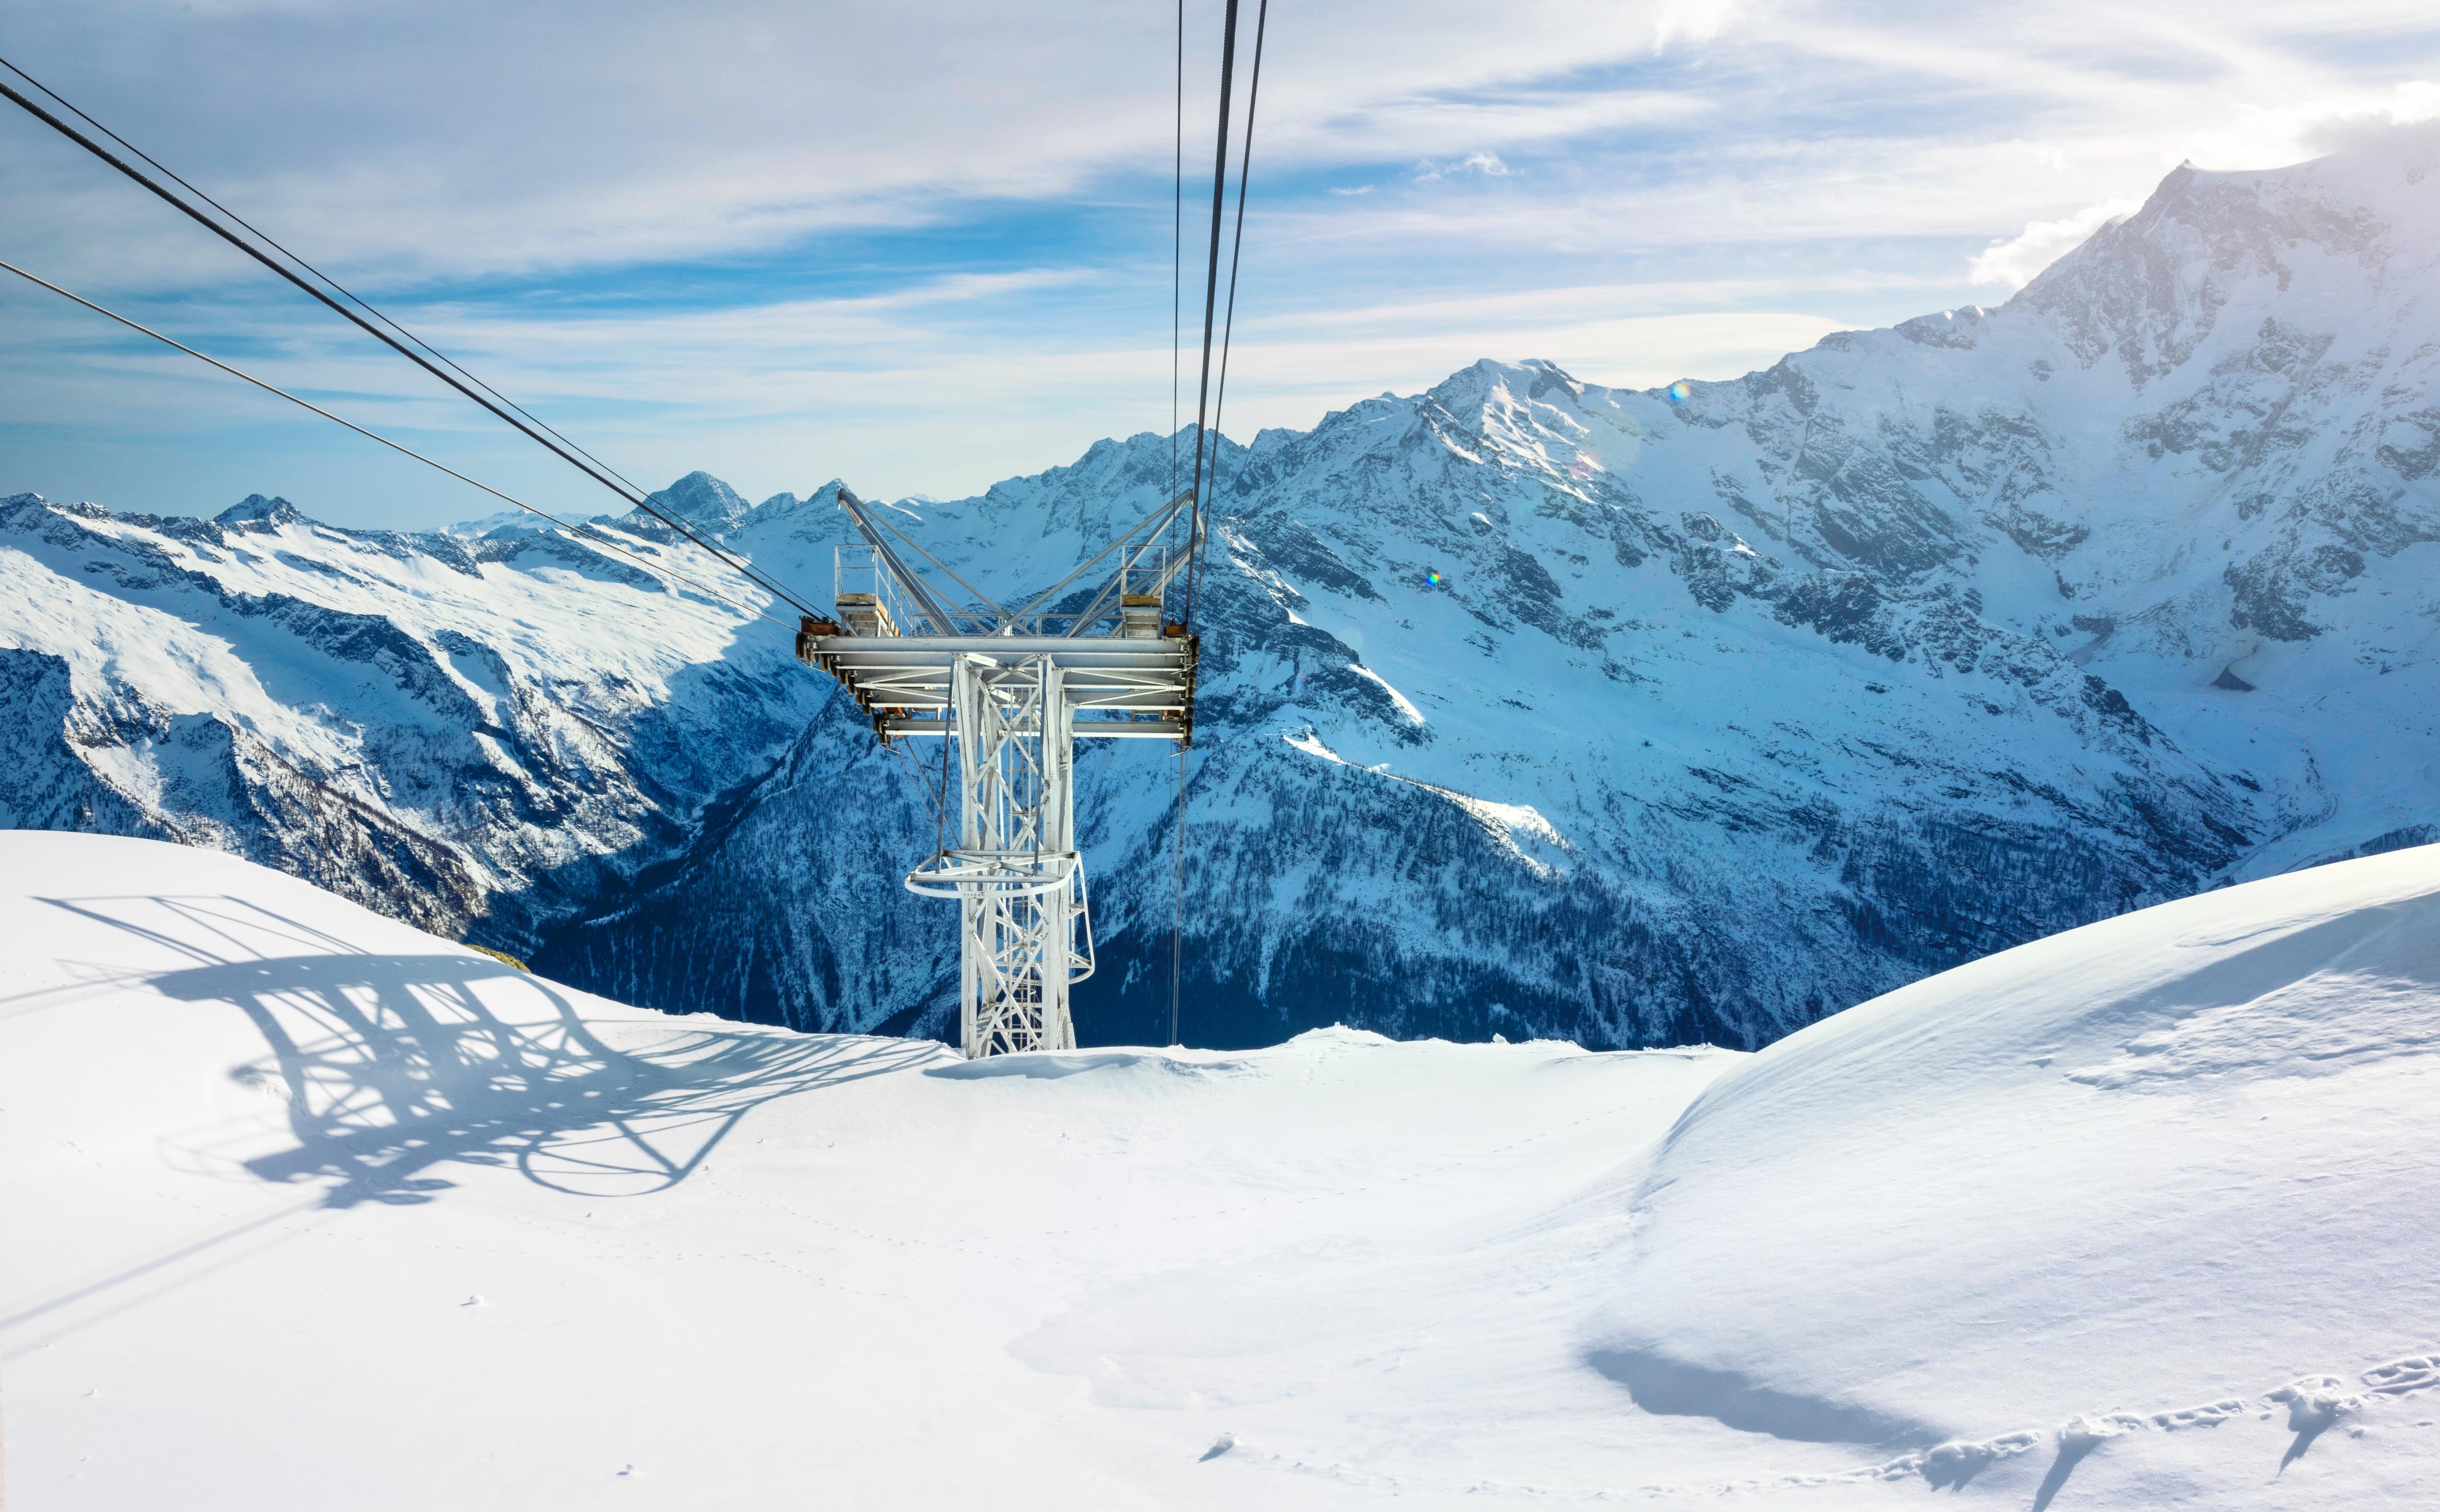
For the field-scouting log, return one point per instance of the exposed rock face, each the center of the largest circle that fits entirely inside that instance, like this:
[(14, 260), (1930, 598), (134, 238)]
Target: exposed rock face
[(703, 500), (1528, 706)]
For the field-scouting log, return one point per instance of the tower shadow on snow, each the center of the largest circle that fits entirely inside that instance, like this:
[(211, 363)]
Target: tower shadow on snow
[(391, 1065)]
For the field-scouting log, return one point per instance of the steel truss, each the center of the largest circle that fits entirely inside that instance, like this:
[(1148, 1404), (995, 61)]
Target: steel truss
[(1015, 872), (1015, 690)]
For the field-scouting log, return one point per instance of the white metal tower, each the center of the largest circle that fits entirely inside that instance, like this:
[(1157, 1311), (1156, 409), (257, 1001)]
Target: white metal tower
[(1015, 689)]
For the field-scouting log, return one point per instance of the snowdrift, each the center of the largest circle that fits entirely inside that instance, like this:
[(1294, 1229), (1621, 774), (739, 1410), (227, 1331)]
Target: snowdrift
[(308, 1208), (2147, 1176)]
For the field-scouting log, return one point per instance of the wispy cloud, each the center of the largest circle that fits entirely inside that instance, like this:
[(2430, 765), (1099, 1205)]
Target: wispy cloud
[(929, 244), (2011, 262), (1486, 164)]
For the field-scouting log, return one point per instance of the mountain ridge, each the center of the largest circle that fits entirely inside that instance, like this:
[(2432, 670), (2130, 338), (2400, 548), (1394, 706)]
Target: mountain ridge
[(1528, 706)]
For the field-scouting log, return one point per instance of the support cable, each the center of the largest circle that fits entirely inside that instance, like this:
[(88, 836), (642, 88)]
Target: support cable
[(1211, 291), (1157, 521), (1197, 533), (271, 242), (1177, 244), (1178, 896), (1176, 289), (627, 492), (980, 596), (1236, 256), (1113, 586), (1194, 520), (586, 531)]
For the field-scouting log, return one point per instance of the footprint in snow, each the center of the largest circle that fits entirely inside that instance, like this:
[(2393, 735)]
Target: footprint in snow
[(2400, 1376)]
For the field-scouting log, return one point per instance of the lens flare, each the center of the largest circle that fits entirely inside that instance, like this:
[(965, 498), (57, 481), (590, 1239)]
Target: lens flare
[(1680, 391), (1432, 577)]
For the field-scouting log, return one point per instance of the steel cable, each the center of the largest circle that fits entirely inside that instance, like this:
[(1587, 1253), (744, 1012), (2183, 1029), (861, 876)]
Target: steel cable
[(583, 531), (1197, 533), (1211, 293), (1177, 294), (627, 492), (1236, 255), (273, 244)]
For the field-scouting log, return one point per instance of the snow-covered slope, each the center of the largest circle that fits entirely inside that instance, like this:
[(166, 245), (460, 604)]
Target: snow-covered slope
[(310, 1209), (2141, 1172), (1528, 706), (467, 734)]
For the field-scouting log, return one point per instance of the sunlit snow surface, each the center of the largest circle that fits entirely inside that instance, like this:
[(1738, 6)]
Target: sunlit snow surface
[(306, 1209)]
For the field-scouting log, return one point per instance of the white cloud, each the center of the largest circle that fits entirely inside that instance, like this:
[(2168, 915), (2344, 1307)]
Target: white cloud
[(1486, 164), (458, 136), (2314, 122), (2334, 128), (2013, 262), (786, 241)]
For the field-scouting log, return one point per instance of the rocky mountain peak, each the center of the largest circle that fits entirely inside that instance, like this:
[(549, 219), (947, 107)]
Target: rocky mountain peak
[(2207, 246), (701, 500), (257, 513)]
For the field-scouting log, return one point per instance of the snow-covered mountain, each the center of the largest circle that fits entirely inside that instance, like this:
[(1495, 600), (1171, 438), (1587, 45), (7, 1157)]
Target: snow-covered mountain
[(1528, 706), (469, 735)]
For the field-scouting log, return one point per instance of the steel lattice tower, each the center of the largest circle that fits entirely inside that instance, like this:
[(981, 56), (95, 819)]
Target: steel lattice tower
[(1014, 690)]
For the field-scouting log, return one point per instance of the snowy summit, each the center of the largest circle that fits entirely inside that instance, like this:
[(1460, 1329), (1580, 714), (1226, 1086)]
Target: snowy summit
[(310, 1208)]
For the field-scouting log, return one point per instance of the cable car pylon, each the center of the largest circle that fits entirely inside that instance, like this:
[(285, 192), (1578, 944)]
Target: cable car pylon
[(1014, 689)]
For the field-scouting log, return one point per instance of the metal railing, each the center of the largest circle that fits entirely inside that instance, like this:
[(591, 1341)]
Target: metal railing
[(880, 593)]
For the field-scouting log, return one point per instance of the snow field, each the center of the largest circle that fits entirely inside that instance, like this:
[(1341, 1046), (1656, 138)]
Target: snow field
[(311, 1209), (277, 1143), (2145, 1175)]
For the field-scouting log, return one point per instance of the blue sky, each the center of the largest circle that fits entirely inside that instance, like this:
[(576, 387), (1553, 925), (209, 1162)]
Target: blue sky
[(924, 246)]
